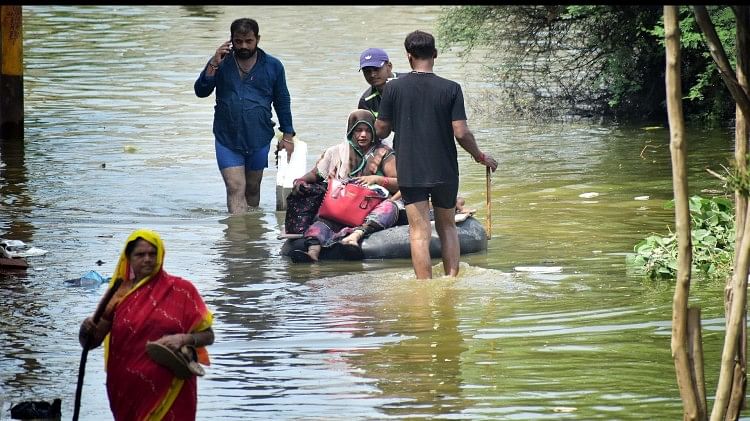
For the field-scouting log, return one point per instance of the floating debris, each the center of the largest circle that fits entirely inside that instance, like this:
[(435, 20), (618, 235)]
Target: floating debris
[(539, 269), (588, 195), (36, 410), (91, 278), (13, 264), (17, 248)]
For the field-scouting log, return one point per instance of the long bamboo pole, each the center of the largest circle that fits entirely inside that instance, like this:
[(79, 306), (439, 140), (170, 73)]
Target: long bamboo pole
[(677, 146), (84, 354), (488, 179)]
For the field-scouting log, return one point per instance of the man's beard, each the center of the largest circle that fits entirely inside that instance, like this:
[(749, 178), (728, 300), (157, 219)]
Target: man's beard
[(244, 53)]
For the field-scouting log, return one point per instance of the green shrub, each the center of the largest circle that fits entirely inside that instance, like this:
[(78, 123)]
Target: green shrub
[(713, 233)]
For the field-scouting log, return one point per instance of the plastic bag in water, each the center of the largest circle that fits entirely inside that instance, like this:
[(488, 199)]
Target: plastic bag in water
[(91, 278)]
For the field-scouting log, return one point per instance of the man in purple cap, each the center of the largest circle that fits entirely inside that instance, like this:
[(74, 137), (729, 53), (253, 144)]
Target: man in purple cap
[(377, 70)]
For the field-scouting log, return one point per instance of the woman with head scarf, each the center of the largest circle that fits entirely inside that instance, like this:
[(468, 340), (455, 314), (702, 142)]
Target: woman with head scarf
[(363, 159), (151, 316)]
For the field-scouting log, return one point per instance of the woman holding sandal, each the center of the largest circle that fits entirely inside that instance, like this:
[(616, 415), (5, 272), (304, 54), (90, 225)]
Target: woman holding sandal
[(155, 329)]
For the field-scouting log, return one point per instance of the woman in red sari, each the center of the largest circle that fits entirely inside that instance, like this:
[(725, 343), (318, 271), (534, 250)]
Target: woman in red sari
[(149, 306)]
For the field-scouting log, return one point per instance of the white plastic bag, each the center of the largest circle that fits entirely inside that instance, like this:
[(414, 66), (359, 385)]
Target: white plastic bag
[(287, 172), (295, 168)]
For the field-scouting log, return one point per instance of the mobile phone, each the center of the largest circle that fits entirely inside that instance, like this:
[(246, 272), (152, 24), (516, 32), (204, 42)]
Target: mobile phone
[(231, 48)]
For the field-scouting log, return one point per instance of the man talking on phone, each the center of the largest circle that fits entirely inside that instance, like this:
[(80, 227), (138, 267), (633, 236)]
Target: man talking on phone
[(247, 82)]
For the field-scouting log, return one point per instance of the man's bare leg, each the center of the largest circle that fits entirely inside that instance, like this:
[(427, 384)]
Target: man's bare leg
[(420, 232), (252, 187), (234, 181), (445, 225)]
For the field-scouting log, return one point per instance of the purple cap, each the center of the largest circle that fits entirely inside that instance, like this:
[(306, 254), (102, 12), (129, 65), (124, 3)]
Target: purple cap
[(373, 57)]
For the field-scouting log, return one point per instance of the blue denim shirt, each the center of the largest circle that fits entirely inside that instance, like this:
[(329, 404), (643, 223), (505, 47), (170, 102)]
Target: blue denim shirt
[(242, 115)]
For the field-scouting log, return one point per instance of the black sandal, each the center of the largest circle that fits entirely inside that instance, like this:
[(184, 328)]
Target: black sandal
[(182, 363)]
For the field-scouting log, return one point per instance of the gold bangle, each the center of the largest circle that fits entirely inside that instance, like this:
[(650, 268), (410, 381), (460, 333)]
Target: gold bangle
[(215, 67)]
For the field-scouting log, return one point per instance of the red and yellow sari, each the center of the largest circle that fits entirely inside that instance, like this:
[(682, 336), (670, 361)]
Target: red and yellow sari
[(161, 304)]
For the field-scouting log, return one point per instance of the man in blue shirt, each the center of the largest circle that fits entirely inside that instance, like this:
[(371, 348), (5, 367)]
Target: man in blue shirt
[(247, 81)]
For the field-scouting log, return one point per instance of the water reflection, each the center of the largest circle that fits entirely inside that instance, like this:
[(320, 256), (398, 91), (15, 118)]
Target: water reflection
[(421, 374), (14, 197), (244, 286), (202, 11)]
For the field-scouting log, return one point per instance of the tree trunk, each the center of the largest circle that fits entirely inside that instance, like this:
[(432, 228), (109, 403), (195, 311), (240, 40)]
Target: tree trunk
[(735, 319), (680, 346), (732, 355), (720, 58), (695, 351), (737, 399)]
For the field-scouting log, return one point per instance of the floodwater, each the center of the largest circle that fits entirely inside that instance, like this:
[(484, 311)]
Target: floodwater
[(547, 324)]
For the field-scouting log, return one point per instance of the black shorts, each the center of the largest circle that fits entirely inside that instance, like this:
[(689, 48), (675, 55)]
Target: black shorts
[(441, 195)]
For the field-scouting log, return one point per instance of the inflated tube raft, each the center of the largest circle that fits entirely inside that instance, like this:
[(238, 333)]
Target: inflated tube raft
[(393, 243)]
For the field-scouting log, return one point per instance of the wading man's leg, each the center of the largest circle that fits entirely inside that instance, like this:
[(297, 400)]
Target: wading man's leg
[(252, 187), (420, 231), (445, 225), (234, 181)]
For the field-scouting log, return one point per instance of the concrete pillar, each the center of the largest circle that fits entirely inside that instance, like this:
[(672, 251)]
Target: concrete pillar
[(11, 73)]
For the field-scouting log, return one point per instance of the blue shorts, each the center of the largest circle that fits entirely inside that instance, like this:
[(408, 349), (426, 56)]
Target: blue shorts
[(228, 158), (441, 195)]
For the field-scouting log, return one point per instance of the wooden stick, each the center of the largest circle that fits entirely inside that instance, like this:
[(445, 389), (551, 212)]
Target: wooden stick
[(84, 355), (489, 204)]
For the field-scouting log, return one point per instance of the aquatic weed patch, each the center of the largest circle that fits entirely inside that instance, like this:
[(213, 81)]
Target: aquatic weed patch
[(712, 235)]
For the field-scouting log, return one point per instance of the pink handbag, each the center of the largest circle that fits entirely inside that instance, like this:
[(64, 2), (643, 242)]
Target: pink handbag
[(348, 203)]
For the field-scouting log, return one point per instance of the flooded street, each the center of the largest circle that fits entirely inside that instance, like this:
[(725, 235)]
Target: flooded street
[(115, 139)]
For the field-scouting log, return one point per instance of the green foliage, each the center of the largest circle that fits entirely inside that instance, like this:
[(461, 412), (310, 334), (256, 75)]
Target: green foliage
[(596, 60), (454, 28), (708, 100), (712, 236), (738, 180)]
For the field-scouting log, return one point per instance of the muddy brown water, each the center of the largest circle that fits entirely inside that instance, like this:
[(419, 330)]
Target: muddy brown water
[(547, 324)]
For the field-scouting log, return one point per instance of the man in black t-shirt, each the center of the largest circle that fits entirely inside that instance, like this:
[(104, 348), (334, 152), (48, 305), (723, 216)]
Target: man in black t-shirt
[(427, 114)]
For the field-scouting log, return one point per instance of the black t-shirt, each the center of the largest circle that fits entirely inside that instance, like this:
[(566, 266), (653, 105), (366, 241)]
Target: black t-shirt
[(421, 108), (370, 99)]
